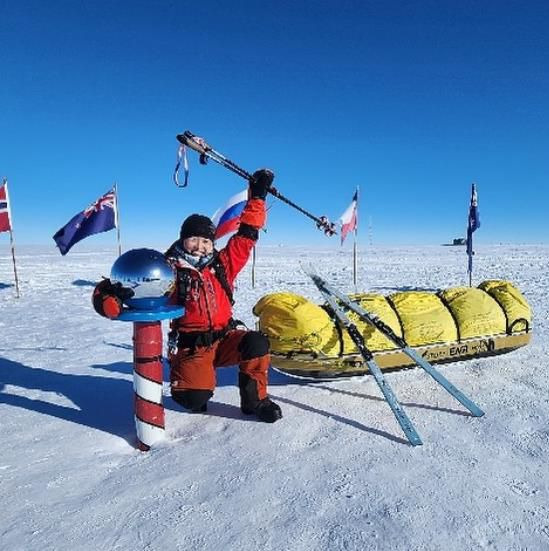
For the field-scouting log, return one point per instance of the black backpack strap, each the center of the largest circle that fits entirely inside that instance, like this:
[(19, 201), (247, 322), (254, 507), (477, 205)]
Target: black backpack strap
[(221, 275), (184, 279)]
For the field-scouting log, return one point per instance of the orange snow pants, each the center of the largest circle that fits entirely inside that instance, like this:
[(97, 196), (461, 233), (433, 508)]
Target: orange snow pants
[(194, 369)]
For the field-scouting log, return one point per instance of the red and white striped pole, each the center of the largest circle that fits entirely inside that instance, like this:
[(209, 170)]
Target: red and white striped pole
[(147, 383), (150, 277)]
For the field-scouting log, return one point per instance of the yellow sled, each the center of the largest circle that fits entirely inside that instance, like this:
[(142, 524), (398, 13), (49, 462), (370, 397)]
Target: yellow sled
[(447, 326)]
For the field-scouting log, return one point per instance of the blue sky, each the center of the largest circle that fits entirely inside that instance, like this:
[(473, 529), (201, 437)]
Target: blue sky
[(412, 101)]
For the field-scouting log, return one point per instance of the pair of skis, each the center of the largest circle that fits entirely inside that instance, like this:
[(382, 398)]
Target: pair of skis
[(340, 304)]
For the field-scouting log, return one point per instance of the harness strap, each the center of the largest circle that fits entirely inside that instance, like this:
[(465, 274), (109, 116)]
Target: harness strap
[(221, 275), (195, 339)]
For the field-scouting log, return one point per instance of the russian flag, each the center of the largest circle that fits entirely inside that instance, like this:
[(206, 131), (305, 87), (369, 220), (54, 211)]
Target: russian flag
[(349, 219), (227, 218)]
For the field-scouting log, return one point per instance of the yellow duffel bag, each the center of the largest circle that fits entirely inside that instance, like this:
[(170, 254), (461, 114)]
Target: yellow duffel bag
[(379, 306), (294, 323), (517, 311), (424, 318), (475, 311)]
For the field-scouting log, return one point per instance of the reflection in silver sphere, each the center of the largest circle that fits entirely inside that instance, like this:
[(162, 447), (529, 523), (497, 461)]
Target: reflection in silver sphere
[(146, 272)]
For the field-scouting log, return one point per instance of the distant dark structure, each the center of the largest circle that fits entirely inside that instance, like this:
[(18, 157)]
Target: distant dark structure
[(456, 242)]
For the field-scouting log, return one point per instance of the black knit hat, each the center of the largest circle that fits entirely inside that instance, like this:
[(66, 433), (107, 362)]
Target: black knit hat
[(197, 225)]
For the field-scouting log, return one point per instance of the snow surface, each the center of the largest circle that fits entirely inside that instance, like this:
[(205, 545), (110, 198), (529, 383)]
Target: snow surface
[(334, 473)]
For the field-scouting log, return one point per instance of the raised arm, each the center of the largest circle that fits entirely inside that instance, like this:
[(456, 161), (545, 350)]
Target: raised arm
[(237, 251)]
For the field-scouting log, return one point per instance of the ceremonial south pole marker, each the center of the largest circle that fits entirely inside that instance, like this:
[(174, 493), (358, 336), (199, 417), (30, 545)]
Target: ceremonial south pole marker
[(146, 272)]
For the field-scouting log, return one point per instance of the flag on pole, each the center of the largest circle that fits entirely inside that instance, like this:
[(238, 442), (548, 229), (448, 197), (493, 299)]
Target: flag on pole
[(227, 218), (99, 217), (349, 219), (6, 225), (5, 214), (473, 223)]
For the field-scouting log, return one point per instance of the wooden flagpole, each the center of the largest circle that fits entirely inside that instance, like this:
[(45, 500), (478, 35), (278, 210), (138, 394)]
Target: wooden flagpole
[(117, 218)]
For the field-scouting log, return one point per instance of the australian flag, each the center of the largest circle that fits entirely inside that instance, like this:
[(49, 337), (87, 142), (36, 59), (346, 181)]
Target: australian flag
[(99, 217), (472, 224)]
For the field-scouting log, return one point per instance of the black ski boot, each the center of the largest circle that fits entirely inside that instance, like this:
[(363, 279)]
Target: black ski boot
[(266, 410)]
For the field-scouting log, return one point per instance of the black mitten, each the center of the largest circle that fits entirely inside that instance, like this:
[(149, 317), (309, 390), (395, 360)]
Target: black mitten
[(260, 183), (108, 298)]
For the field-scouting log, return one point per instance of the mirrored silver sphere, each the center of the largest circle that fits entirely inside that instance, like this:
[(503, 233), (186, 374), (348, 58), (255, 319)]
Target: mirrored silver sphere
[(147, 273)]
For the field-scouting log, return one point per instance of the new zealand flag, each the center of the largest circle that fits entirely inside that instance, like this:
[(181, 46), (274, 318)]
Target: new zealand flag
[(99, 217)]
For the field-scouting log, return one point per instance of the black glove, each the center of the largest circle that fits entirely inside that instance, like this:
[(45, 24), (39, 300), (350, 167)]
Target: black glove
[(108, 298), (260, 183)]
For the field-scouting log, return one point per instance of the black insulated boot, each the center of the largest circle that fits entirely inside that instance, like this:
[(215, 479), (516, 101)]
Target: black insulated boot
[(250, 404), (266, 411)]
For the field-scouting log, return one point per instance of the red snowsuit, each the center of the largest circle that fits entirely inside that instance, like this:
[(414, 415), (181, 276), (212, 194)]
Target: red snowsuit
[(206, 339)]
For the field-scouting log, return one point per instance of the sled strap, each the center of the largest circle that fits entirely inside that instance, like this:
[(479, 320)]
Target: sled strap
[(517, 321)]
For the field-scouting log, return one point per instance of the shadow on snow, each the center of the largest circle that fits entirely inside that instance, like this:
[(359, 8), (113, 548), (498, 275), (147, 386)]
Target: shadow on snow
[(84, 283), (341, 419), (407, 404), (106, 403), (102, 403)]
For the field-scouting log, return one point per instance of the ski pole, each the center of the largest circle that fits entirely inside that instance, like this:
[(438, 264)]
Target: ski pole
[(207, 152)]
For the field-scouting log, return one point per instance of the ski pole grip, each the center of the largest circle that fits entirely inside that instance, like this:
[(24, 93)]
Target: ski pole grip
[(193, 142), (273, 191)]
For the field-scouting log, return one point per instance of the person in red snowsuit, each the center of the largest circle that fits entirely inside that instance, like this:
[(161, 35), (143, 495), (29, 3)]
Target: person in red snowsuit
[(206, 336)]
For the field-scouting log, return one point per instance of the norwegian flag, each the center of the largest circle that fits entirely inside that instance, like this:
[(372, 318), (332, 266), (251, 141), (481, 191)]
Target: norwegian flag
[(99, 217), (5, 215), (349, 219)]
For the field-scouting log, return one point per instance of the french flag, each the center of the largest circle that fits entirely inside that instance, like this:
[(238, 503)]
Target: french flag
[(227, 218), (349, 219)]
